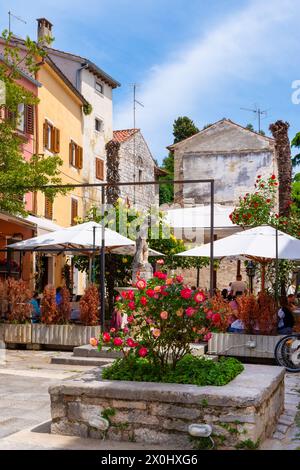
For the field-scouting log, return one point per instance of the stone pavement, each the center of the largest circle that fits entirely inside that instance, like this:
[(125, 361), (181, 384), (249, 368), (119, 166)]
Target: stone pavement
[(287, 434)]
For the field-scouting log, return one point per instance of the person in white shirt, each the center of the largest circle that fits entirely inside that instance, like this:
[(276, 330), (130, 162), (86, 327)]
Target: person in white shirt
[(238, 287)]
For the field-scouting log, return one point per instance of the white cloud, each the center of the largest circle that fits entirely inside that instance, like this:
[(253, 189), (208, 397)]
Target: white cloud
[(256, 38)]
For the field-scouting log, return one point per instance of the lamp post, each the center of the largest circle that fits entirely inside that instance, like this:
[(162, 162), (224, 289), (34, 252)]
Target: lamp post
[(250, 269)]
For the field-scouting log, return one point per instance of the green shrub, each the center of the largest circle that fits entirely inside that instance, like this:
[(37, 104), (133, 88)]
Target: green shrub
[(189, 370)]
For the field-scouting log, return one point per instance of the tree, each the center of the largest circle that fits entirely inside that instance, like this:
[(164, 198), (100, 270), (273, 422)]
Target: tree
[(283, 155), (250, 127), (18, 176), (296, 143), (183, 127), (296, 194)]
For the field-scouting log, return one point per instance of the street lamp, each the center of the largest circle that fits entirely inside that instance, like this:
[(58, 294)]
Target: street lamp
[(250, 269)]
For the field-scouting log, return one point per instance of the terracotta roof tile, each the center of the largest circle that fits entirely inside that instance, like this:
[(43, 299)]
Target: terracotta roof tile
[(123, 135)]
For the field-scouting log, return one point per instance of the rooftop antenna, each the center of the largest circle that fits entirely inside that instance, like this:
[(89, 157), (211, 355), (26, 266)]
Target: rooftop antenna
[(259, 112), (10, 16), (135, 102)]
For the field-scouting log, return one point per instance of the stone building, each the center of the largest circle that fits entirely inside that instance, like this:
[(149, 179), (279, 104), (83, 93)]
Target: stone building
[(136, 164), (227, 152), (233, 156)]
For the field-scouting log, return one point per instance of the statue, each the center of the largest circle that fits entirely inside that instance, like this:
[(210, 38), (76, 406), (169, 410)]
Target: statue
[(140, 266)]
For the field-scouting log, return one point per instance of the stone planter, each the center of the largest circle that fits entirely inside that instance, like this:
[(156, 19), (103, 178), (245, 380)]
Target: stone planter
[(17, 333), (2, 331), (63, 335), (152, 413), (242, 345)]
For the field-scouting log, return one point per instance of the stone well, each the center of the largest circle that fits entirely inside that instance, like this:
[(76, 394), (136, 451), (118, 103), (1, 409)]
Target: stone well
[(245, 409)]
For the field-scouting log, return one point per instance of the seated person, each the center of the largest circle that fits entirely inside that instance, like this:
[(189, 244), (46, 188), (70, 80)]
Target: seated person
[(224, 294), (286, 320), (237, 326), (58, 297), (36, 311)]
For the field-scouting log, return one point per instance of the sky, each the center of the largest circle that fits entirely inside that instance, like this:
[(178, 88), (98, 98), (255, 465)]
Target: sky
[(204, 60)]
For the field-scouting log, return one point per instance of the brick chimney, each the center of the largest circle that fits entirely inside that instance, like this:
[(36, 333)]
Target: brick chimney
[(44, 28)]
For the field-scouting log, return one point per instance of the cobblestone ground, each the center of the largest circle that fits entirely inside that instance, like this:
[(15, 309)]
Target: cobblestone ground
[(287, 434)]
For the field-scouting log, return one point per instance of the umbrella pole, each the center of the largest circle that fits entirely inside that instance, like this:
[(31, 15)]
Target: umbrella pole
[(102, 263), (93, 256), (276, 267), (212, 238)]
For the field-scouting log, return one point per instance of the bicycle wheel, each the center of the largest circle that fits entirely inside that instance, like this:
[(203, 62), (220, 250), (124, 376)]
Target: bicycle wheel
[(287, 352)]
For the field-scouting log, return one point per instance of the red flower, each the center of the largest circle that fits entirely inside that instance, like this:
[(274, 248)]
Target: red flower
[(144, 300), (131, 305), (131, 343), (124, 294), (216, 318), (106, 337), (141, 284), (273, 177), (160, 275), (209, 315), (118, 341), (130, 295), (179, 279), (207, 337), (186, 293), (268, 201), (143, 352), (230, 216), (150, 292), (112, 330), (199, 297), (190, 311), (130, 319), (160, 261), (259, 176), (118, 298)]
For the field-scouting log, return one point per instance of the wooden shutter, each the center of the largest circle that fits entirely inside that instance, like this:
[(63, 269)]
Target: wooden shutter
[(48, 209), (71, 153), (29, 118), (45, 135), (52, 139), (99, 169), (56, 142), (80, 158), (74, 211), (76, 156)]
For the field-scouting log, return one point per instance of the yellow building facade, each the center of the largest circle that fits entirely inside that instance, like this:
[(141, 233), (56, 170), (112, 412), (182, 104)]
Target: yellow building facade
[(60, 132)]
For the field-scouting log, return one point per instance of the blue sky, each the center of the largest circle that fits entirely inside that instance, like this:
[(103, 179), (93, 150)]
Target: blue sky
[(202, 59)]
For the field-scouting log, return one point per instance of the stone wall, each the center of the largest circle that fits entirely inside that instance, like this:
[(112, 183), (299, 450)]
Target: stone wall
[(245, 409), (145, 196)]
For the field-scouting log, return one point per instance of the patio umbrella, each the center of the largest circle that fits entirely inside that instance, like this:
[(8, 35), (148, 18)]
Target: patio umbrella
[(81, 237), (259, 243), (130, 251)]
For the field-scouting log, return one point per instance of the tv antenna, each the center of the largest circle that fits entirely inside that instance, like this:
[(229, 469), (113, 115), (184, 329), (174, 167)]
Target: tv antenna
[(258, 112), (135, 102), (10, 16)]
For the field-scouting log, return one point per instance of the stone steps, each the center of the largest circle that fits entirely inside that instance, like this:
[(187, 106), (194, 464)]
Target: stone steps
[(81, 361)]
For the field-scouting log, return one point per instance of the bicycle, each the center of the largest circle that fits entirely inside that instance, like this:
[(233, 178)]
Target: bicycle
[(287, 352)]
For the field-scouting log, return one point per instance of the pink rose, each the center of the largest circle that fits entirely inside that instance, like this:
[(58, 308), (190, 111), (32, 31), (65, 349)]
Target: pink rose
[(179, 279), (150, 292), (186, 293), (130, 294), (164, 315), (207, 337), (144, 301), (199, 297), (209, 315), (141, 284), (112, 330), (149, 321), (118, 341), (131, 343), (190, 311), (130, 319), (131, 305), (160, 261), (156, 332), (106, 337), (118, 298), (126, 329), (143, 352)]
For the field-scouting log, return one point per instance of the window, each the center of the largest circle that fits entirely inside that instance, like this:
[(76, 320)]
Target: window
[(75, 155), (48, 208), (21, 118), (98, 125), (74, 211), (99, 87), (99, 169), (140, 175), (51, 137)]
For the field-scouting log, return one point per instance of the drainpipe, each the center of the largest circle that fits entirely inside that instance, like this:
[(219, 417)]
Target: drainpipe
[(78, 73)]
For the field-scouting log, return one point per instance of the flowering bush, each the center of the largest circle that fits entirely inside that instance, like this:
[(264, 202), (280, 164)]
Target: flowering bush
[(258, 314), (89, 306), (18, 298), (164, 316), (48, 306), (64, 308)]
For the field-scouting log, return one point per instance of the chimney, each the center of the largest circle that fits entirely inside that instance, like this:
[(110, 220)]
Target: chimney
[(44, 29)]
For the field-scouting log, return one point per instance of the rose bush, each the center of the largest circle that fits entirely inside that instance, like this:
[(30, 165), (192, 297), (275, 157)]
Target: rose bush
[(164, 317)]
